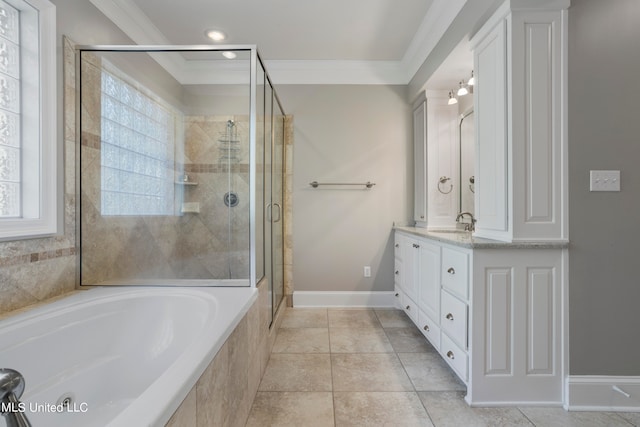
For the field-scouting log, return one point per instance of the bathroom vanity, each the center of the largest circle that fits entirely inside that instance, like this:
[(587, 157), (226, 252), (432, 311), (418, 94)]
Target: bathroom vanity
[(493, 301), (493, 310)]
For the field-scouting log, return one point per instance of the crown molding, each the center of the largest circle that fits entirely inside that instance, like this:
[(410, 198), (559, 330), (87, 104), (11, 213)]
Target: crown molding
[(139, 28), (435, 23), (336, 72)]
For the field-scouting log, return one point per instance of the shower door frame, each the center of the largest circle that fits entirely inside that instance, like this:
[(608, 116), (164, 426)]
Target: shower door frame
[(275, 269), (255, 61)]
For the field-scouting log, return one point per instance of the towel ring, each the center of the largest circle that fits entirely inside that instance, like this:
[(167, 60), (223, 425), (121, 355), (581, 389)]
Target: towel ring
[(443, 180)]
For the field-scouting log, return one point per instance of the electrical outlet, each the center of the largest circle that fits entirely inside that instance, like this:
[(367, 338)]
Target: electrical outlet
[(367, 271), (604, 181)]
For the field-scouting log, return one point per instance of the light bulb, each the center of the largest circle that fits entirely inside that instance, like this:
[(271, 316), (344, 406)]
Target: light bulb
[(472, 80), (463, 90), (452, 99)]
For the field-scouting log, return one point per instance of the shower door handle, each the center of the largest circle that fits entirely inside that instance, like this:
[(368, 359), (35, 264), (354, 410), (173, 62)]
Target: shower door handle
[(279, 212), (269, 212)]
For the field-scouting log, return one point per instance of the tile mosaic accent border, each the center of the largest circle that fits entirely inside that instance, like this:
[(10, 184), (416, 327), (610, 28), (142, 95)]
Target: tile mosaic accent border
[(215, 168), (90, 140), (37, 256)]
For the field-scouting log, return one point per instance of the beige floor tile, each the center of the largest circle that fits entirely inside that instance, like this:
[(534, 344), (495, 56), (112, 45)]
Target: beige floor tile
[(558, 417), (302, 340), (379, 350), (369, 372), (393, 318), (291, 409), (632, 417), (359, 340), (397, 409), (297, 372), (305, 318), (448, 409), (353, 318), (408, 340), (428, 372)]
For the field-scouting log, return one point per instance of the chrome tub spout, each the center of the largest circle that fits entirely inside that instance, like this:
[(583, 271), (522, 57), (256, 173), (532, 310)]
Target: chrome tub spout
[(11, 389)]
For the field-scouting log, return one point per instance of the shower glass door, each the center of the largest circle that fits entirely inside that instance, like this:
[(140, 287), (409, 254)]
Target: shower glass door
[(277, 192), (271, 145)]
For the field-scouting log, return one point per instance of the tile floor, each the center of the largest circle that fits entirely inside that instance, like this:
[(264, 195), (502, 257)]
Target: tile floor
[(336, 367)]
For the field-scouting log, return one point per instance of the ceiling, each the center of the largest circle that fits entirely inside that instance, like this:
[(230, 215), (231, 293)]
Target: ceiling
[(302, 41)]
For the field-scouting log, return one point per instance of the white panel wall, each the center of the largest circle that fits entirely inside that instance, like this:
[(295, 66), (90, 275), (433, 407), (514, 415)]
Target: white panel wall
[(538, 136), (498, 321), (518, 296)]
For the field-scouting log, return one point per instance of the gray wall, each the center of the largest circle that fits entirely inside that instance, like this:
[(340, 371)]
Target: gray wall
[(348, 133), (604, 132)]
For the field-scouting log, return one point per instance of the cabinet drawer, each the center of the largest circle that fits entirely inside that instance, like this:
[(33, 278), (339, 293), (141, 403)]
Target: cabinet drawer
[(453, 318), (397, 295), (455, 356), (429, 329), (455, 272), (410, 307), (397, 273)]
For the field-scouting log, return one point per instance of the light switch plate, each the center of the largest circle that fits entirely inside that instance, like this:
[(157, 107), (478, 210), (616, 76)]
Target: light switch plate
[(604, 181)]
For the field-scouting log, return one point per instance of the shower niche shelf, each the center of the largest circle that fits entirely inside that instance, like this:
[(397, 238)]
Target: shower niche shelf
[(190, 207), (185, 180)]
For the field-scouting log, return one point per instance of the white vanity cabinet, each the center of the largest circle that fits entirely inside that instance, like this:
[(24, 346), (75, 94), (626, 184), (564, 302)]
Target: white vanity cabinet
[(454, 317), (520, 107), (419, 263), (494, 311), (416, 264)]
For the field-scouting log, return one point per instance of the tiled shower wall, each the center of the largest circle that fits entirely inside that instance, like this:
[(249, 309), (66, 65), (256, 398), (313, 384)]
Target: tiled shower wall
[(210, 244), (288, 210), (34, 270)]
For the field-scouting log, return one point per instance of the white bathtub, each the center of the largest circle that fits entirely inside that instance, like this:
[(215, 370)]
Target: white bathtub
[(125, 356)]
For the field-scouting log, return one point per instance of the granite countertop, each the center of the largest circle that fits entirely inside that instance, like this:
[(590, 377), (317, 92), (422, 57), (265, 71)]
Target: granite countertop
[(466, 240)]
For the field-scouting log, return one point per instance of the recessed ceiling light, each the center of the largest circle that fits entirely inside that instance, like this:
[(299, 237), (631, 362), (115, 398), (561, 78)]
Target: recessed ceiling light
[(229, 55), (215, 35)]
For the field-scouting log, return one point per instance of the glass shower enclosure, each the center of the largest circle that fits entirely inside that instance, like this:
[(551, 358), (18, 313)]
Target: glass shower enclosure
[(180, 167)]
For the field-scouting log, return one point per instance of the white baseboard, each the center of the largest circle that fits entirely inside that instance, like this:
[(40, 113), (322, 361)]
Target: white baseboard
[(343, 299), (598, 393)]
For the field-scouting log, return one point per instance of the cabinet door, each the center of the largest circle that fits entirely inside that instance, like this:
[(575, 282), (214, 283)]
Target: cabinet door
[(429, 283), (411, 267), (420, 162), (490, 97)]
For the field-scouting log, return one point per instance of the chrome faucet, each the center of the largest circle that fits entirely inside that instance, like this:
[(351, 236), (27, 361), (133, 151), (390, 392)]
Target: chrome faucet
[(468, 226), (11, 388)]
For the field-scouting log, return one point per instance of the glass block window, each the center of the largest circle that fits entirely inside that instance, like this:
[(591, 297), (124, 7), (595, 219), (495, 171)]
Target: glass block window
[(137, 150), (10, 160), (29, 184)]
